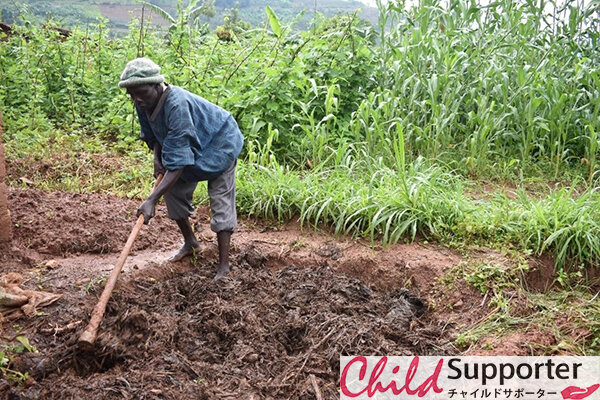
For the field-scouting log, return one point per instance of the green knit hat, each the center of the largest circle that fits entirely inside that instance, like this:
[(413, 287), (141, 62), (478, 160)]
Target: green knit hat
[(140, 71)]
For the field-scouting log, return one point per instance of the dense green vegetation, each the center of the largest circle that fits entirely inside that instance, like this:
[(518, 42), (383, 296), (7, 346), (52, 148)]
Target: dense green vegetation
[(382, 133)]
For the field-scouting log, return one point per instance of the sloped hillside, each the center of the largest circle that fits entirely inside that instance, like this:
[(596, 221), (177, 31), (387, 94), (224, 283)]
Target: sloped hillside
[(119, 12)]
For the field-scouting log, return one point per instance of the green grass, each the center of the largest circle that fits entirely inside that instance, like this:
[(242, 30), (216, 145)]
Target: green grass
[(378, 203), (55, 160), (562, 320), (362, 199), (19, 345)]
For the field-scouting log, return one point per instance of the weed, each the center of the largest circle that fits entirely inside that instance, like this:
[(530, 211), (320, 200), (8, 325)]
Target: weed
[(8, 352)]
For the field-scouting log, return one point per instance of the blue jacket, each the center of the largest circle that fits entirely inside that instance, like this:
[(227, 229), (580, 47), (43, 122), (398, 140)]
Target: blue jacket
[(194, 134)]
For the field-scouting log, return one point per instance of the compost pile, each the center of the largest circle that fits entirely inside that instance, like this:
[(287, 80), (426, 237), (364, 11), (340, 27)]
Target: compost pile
[(259, 335), (170, 332)]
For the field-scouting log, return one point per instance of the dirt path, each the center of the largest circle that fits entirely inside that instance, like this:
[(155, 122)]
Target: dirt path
[(295, 300)]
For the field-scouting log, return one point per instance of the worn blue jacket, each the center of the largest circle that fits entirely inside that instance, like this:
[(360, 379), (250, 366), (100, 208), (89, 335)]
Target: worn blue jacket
[(194, 134)]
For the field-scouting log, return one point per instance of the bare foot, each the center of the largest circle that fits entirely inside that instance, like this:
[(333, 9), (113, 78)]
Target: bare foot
[(187, 249), (222, 271)]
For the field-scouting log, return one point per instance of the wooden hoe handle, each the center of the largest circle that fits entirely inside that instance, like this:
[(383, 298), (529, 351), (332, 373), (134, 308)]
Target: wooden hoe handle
[(89, 335)]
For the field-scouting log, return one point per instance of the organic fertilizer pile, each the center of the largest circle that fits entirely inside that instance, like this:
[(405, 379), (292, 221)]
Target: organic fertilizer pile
[(170, 332), (258, 335)]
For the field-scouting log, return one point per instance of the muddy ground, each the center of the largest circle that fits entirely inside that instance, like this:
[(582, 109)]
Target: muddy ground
[(274, 329)]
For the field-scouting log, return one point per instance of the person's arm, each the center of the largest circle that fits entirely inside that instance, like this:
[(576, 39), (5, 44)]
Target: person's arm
[(159, 168), (175, 152), (148, 207), (146, 133)]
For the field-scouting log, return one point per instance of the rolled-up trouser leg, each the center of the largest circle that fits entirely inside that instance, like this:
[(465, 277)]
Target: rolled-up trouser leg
[(179, 200), (221, 192)]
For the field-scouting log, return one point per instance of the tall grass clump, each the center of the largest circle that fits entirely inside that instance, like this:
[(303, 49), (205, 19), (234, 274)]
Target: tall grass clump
[(375, 203), (478, 84), (379, 204)]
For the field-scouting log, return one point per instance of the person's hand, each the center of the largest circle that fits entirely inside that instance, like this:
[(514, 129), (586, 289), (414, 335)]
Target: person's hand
[(159, 168), (147, 208)]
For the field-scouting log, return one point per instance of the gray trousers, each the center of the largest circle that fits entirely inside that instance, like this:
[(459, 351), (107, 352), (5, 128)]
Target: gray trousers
[(221, 194)]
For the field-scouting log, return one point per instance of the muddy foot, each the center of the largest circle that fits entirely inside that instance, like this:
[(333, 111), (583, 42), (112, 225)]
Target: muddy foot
[(222, 271), (187, 249)]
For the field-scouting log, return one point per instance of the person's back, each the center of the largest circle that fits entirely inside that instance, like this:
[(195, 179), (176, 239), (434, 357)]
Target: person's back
[(217, 141)]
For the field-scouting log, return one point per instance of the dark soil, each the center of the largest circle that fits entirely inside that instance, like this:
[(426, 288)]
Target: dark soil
[(261, 333), (279, 320)]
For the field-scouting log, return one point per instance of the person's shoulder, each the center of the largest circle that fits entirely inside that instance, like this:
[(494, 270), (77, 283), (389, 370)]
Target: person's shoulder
[(175, 97), (180, 95), (175, 92)]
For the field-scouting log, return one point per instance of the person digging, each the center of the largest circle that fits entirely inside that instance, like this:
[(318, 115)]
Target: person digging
[(193, 140)]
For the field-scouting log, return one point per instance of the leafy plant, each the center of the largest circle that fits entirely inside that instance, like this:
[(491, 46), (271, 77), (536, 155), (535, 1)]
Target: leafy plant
[(8, 352)]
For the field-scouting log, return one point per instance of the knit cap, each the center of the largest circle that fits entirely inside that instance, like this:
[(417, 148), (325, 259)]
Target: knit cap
[(140, 71)]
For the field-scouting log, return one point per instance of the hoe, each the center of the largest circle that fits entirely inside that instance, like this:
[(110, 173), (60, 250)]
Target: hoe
[(89, 335)]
